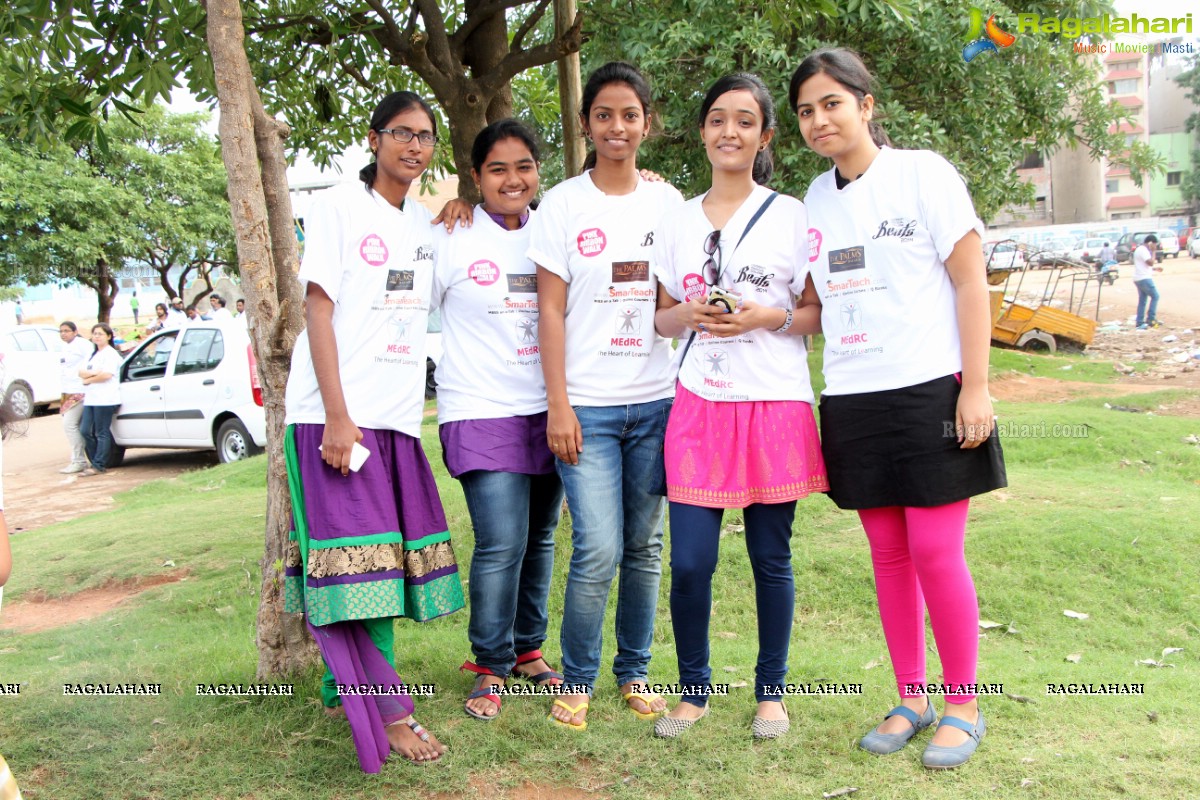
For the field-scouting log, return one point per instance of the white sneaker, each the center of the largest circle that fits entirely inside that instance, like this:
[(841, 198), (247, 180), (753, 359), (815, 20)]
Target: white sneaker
[(71, 469)]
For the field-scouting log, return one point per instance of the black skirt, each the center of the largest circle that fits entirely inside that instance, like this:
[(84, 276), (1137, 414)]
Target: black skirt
[(899, 448)]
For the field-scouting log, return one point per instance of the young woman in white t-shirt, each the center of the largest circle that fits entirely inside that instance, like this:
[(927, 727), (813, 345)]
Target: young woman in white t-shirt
[(101, 399), (742, 432), (492, 415), (906, 419), (370, 534), (608, 388)]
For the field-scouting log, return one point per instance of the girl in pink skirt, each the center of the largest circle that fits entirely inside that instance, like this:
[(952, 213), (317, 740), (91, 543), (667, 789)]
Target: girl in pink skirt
[(732, 263)]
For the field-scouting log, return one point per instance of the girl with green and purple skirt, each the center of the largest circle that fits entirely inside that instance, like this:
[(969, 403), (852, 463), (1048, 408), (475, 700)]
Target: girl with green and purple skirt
[(370, 541)]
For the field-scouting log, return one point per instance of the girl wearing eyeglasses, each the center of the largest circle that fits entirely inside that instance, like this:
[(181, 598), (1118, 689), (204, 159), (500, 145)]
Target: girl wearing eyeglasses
[(732, 264), (906, 418), (371, 538), (608, 388)]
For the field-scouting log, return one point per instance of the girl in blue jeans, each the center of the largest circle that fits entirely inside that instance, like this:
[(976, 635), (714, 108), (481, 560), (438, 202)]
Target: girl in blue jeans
[(492, 415), (608, 387)]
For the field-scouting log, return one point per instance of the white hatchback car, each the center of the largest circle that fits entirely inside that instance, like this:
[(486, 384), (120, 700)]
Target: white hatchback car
[(193, 388), (29, 361)]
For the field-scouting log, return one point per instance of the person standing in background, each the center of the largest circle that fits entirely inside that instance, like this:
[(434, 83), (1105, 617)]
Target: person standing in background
[(20, 314), (1143, 278), (101, 399), (76, 351), (134, 305)]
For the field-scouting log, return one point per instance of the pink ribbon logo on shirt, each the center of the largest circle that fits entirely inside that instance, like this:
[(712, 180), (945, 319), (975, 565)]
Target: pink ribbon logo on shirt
[(483, 272), (693, 287), (591, 242), (814, 244), (373, 250)]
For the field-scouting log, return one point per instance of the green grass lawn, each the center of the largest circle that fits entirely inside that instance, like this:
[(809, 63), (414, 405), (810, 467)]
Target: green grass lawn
[(1101, 521)]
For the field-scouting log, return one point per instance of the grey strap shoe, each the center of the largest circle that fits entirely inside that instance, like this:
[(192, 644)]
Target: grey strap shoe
[(938, 757), (882, 744)]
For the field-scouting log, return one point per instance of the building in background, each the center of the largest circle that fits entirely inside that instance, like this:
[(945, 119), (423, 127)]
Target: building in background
[(1072, 188)]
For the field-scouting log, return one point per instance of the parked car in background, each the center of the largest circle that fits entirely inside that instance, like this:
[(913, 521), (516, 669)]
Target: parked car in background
[(1185, 236), (1193, 247), (29, 361), (193, 388), (1131, 241), (1168, 244), (1087, 249), (1048, 250), (1004, 255)]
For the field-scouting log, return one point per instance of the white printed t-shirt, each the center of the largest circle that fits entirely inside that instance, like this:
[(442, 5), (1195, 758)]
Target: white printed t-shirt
[(376, 263), (104, 393), (768, 267), (487, 289), (72, 358), (603, 247), (878, 251), (1143, 263)]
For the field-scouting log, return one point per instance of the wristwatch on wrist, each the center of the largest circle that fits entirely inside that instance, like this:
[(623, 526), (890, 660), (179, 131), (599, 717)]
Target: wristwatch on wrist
[(787, 323)]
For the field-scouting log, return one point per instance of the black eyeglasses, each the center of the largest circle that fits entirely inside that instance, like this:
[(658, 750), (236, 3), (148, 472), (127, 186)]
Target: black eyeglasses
[(712, 268), (404, 136)]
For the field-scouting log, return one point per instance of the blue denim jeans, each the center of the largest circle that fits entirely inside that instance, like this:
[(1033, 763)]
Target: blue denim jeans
[(96, 428), (514, 517), (1146, 291), (695, 538), (616, 518)]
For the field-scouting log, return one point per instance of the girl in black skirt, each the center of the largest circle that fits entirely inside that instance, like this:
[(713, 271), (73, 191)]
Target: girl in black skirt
[(906, 418)]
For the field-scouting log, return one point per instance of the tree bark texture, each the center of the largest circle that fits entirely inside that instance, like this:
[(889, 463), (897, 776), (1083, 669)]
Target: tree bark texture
[(570, 92), (252, 149)]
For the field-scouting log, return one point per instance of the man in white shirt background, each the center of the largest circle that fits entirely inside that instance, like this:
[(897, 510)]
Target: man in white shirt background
[(1143, 272), (219, 312)]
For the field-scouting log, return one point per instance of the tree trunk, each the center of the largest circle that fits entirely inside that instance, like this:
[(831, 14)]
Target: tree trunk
[(470, 118), (106, 290), (252, 149), (570, 94)]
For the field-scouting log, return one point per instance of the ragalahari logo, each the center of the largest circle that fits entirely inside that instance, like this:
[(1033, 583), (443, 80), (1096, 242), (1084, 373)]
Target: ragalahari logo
[(983, 37)]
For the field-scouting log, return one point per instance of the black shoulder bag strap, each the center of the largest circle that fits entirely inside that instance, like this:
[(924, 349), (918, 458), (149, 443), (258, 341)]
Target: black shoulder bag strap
[(749, 225)]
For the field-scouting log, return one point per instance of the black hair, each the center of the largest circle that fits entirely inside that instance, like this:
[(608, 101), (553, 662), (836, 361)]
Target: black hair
[(218, 298), (104, 326), (395, 103), (66, 323), (192, 307), (497, 132), (1150, 238), (610, 73), (162, 306), (845, 67), (764, 162)]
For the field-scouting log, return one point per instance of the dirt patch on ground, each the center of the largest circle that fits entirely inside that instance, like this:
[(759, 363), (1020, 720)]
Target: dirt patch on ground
[(484, 789), (1017, 387), (36, 612)]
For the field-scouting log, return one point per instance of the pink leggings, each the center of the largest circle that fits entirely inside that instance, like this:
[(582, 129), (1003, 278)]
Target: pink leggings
[(918, 558)]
